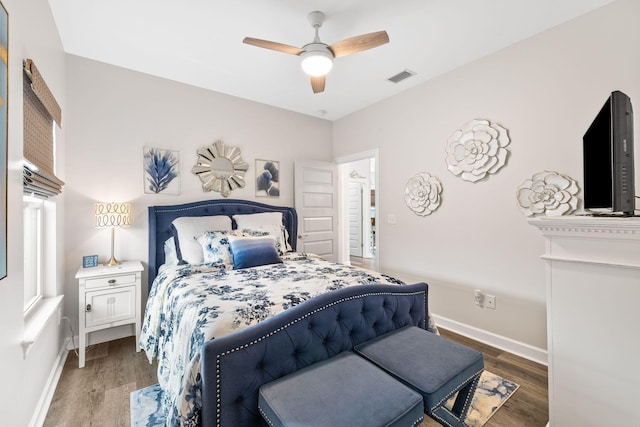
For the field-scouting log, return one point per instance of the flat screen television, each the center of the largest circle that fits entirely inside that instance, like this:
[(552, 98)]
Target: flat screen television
[(608, 159)]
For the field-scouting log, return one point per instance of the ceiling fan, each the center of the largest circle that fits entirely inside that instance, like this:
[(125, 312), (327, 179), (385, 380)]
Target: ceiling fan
[(317, 57)]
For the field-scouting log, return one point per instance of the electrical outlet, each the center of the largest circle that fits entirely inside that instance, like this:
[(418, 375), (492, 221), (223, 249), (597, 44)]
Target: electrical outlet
[(391, 218), (491, 302)]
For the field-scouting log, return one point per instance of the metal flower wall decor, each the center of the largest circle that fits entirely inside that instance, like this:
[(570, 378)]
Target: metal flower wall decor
[(549, 194), (423, 194), (476, 150)]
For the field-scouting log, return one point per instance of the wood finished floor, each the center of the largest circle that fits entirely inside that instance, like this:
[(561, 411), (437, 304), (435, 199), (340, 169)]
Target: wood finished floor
[(368, 263), (98, 394), (529, 405)]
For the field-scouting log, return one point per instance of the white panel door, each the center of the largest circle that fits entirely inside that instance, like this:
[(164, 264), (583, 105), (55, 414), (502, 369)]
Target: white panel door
[(354, 203), (316, 204)]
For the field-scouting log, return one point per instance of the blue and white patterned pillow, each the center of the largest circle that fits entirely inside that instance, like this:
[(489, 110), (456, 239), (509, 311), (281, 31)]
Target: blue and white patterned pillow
[(186, 230), (216, 249), (276, 232), (271, 222)]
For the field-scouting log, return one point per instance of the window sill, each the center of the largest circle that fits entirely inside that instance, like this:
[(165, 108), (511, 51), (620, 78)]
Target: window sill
[(36, 321)]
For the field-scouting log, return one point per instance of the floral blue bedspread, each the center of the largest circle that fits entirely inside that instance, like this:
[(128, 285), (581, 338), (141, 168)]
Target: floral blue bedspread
[(190, 304)]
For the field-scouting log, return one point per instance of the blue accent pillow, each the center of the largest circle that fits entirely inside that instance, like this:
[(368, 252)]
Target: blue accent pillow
[(253, 252)]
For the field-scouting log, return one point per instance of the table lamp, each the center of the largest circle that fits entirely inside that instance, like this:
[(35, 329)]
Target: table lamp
[(113, 215)]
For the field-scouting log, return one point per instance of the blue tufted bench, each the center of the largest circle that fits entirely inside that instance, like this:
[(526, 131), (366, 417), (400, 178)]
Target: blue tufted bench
[(234, 367), (343, 391), (346, 390), (435, 367)]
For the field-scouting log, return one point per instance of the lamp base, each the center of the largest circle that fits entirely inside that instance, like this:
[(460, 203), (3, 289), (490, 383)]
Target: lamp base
[(112, 262)]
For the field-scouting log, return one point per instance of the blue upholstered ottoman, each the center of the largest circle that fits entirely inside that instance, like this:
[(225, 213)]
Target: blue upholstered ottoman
[(343, 391), (432, 365)]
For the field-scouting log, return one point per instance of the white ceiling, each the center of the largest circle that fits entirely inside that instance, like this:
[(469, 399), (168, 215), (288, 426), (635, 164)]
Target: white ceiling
[(199, 42)]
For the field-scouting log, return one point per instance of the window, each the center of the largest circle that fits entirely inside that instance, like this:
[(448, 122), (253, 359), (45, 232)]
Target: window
[(33, 211), (41, 114), (40, 186)]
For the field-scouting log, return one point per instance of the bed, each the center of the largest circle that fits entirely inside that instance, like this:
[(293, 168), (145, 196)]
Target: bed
[(194, 300)]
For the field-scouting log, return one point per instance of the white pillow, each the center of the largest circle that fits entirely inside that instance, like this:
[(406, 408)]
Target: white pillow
[(253, 221), (170, 256), (274, 231), (188, 228), (269, 222)]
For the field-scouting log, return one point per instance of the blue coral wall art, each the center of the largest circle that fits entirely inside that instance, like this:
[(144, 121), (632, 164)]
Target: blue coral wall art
[(267, 178), (161, 171)]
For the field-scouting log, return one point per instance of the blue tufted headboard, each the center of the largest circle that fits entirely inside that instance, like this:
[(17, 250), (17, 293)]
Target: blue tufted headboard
[(160, 218), (235, 366)]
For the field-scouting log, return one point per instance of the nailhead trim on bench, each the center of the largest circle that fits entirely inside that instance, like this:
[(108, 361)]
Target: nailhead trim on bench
[(469, 397), (293, 322)]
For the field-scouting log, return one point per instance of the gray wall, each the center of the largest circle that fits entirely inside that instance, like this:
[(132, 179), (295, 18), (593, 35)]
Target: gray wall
[(114, 112), (546, 91)]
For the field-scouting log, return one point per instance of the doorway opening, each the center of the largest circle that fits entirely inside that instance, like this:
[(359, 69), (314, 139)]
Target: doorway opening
[(358, 177)]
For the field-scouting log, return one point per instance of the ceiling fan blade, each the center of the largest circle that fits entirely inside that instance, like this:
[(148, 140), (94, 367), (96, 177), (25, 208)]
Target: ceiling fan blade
[(279, 47), (359, 43), (317, 83)]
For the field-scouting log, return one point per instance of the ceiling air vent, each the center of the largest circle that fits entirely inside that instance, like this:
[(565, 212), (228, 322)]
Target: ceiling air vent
[(401, 76)]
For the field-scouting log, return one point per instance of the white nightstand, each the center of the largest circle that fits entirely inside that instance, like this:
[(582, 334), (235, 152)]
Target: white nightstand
[(108, 297)]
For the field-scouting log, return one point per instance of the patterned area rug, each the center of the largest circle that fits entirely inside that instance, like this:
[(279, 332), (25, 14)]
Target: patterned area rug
[(491, 394), (145, 407)]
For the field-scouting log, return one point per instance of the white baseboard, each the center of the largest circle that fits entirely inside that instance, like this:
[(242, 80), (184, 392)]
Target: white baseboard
[(50, 387), (527, 351)]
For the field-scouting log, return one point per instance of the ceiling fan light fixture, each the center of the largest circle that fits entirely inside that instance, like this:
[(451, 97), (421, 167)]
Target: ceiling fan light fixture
[(317, 57), (316, 61)]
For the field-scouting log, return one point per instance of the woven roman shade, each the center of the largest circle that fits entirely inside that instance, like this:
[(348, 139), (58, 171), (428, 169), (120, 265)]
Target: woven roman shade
[(41, 110)]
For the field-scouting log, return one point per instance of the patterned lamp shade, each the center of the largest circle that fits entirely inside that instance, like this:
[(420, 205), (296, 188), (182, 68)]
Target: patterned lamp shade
[(113, 215)]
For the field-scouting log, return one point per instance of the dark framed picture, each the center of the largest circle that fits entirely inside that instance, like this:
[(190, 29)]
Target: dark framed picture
[(267, 178), (4, 60), (89, 261)]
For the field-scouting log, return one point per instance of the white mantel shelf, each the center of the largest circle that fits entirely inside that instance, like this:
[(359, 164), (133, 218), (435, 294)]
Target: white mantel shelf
[(593, 316), (588, 226)]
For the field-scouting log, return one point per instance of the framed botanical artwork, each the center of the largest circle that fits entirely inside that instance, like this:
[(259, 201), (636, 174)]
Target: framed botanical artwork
[(161, 171), (267, 178), (4, 59)]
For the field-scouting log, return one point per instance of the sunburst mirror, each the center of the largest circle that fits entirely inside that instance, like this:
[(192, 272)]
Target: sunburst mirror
[(220, 168)]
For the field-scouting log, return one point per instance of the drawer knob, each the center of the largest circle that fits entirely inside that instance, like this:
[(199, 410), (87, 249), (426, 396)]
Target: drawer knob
[(88, 308), (112, 281)]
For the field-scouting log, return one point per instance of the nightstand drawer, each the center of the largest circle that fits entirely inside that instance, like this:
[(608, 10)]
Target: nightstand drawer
[(110, 306), (101, 282)]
